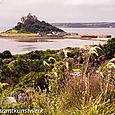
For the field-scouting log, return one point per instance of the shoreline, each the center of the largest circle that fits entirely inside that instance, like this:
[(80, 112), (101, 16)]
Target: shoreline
[(27, 49), (29, 38)]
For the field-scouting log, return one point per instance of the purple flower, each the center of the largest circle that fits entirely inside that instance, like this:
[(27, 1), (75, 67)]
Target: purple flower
[(99, 59), (103, 57), (113, 71), (113, 61), (19, 98), (12, 94), (74, 76)]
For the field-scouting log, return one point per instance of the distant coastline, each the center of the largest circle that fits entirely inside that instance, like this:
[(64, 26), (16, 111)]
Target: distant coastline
[(85, 25)]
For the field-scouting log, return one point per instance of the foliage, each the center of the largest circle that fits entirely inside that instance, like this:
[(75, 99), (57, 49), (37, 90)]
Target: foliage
[(6, 54), (109, 48), (70, 81)]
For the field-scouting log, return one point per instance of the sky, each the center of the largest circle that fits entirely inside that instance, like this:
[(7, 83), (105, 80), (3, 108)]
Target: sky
[(57, 10)]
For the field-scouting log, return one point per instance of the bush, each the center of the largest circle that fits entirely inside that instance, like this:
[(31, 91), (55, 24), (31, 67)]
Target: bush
[(109, 48), (6, 54)]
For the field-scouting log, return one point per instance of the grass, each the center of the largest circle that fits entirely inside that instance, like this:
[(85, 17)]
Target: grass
[(18, 34)]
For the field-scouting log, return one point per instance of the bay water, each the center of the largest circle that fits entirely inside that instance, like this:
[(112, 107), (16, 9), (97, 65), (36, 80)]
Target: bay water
[(24, 47)]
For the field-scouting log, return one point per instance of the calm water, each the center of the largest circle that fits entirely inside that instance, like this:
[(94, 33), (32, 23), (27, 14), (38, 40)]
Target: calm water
[(24, 47), (110, 31)]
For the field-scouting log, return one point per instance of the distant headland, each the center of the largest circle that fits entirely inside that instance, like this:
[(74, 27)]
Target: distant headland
[(86, 25)]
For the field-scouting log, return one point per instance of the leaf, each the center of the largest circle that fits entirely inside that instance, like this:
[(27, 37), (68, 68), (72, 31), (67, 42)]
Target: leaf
[(2, 84), (55, 73), (76, 70), (112, 60), (67, 65), (65, 53), (45, 63), (51, 58), (110, 65), (93, 50)]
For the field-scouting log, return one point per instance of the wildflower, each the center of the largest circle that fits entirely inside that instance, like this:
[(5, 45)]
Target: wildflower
[(103, 57), (71, 59), (19, 98), (113, 60), (113, 71), (11, 100), (74, 76), (12, 94), (77, 73), (99, 59)]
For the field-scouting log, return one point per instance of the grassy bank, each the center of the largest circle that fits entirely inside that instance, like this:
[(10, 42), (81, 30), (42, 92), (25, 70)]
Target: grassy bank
[(18, 35)]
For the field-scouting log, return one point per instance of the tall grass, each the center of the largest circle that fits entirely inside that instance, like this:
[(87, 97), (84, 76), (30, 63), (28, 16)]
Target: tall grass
[(83, 92)]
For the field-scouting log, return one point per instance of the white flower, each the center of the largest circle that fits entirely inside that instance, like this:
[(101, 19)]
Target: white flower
[(11, 100)]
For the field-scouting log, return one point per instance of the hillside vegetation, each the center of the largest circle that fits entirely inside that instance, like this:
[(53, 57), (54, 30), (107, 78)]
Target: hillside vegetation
[(71, 81)]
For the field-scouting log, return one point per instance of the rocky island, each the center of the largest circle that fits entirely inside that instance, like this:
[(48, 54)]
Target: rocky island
[(30, 26)]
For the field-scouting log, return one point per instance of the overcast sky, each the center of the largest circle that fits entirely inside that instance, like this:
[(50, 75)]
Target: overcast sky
[(57, 10)]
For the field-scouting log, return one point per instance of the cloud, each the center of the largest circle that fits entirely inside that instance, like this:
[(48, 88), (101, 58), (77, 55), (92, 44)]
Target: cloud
[(1, 1), (57, 10), (86, 2)]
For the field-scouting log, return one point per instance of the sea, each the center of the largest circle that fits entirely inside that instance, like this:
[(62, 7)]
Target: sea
[(17, 47)]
